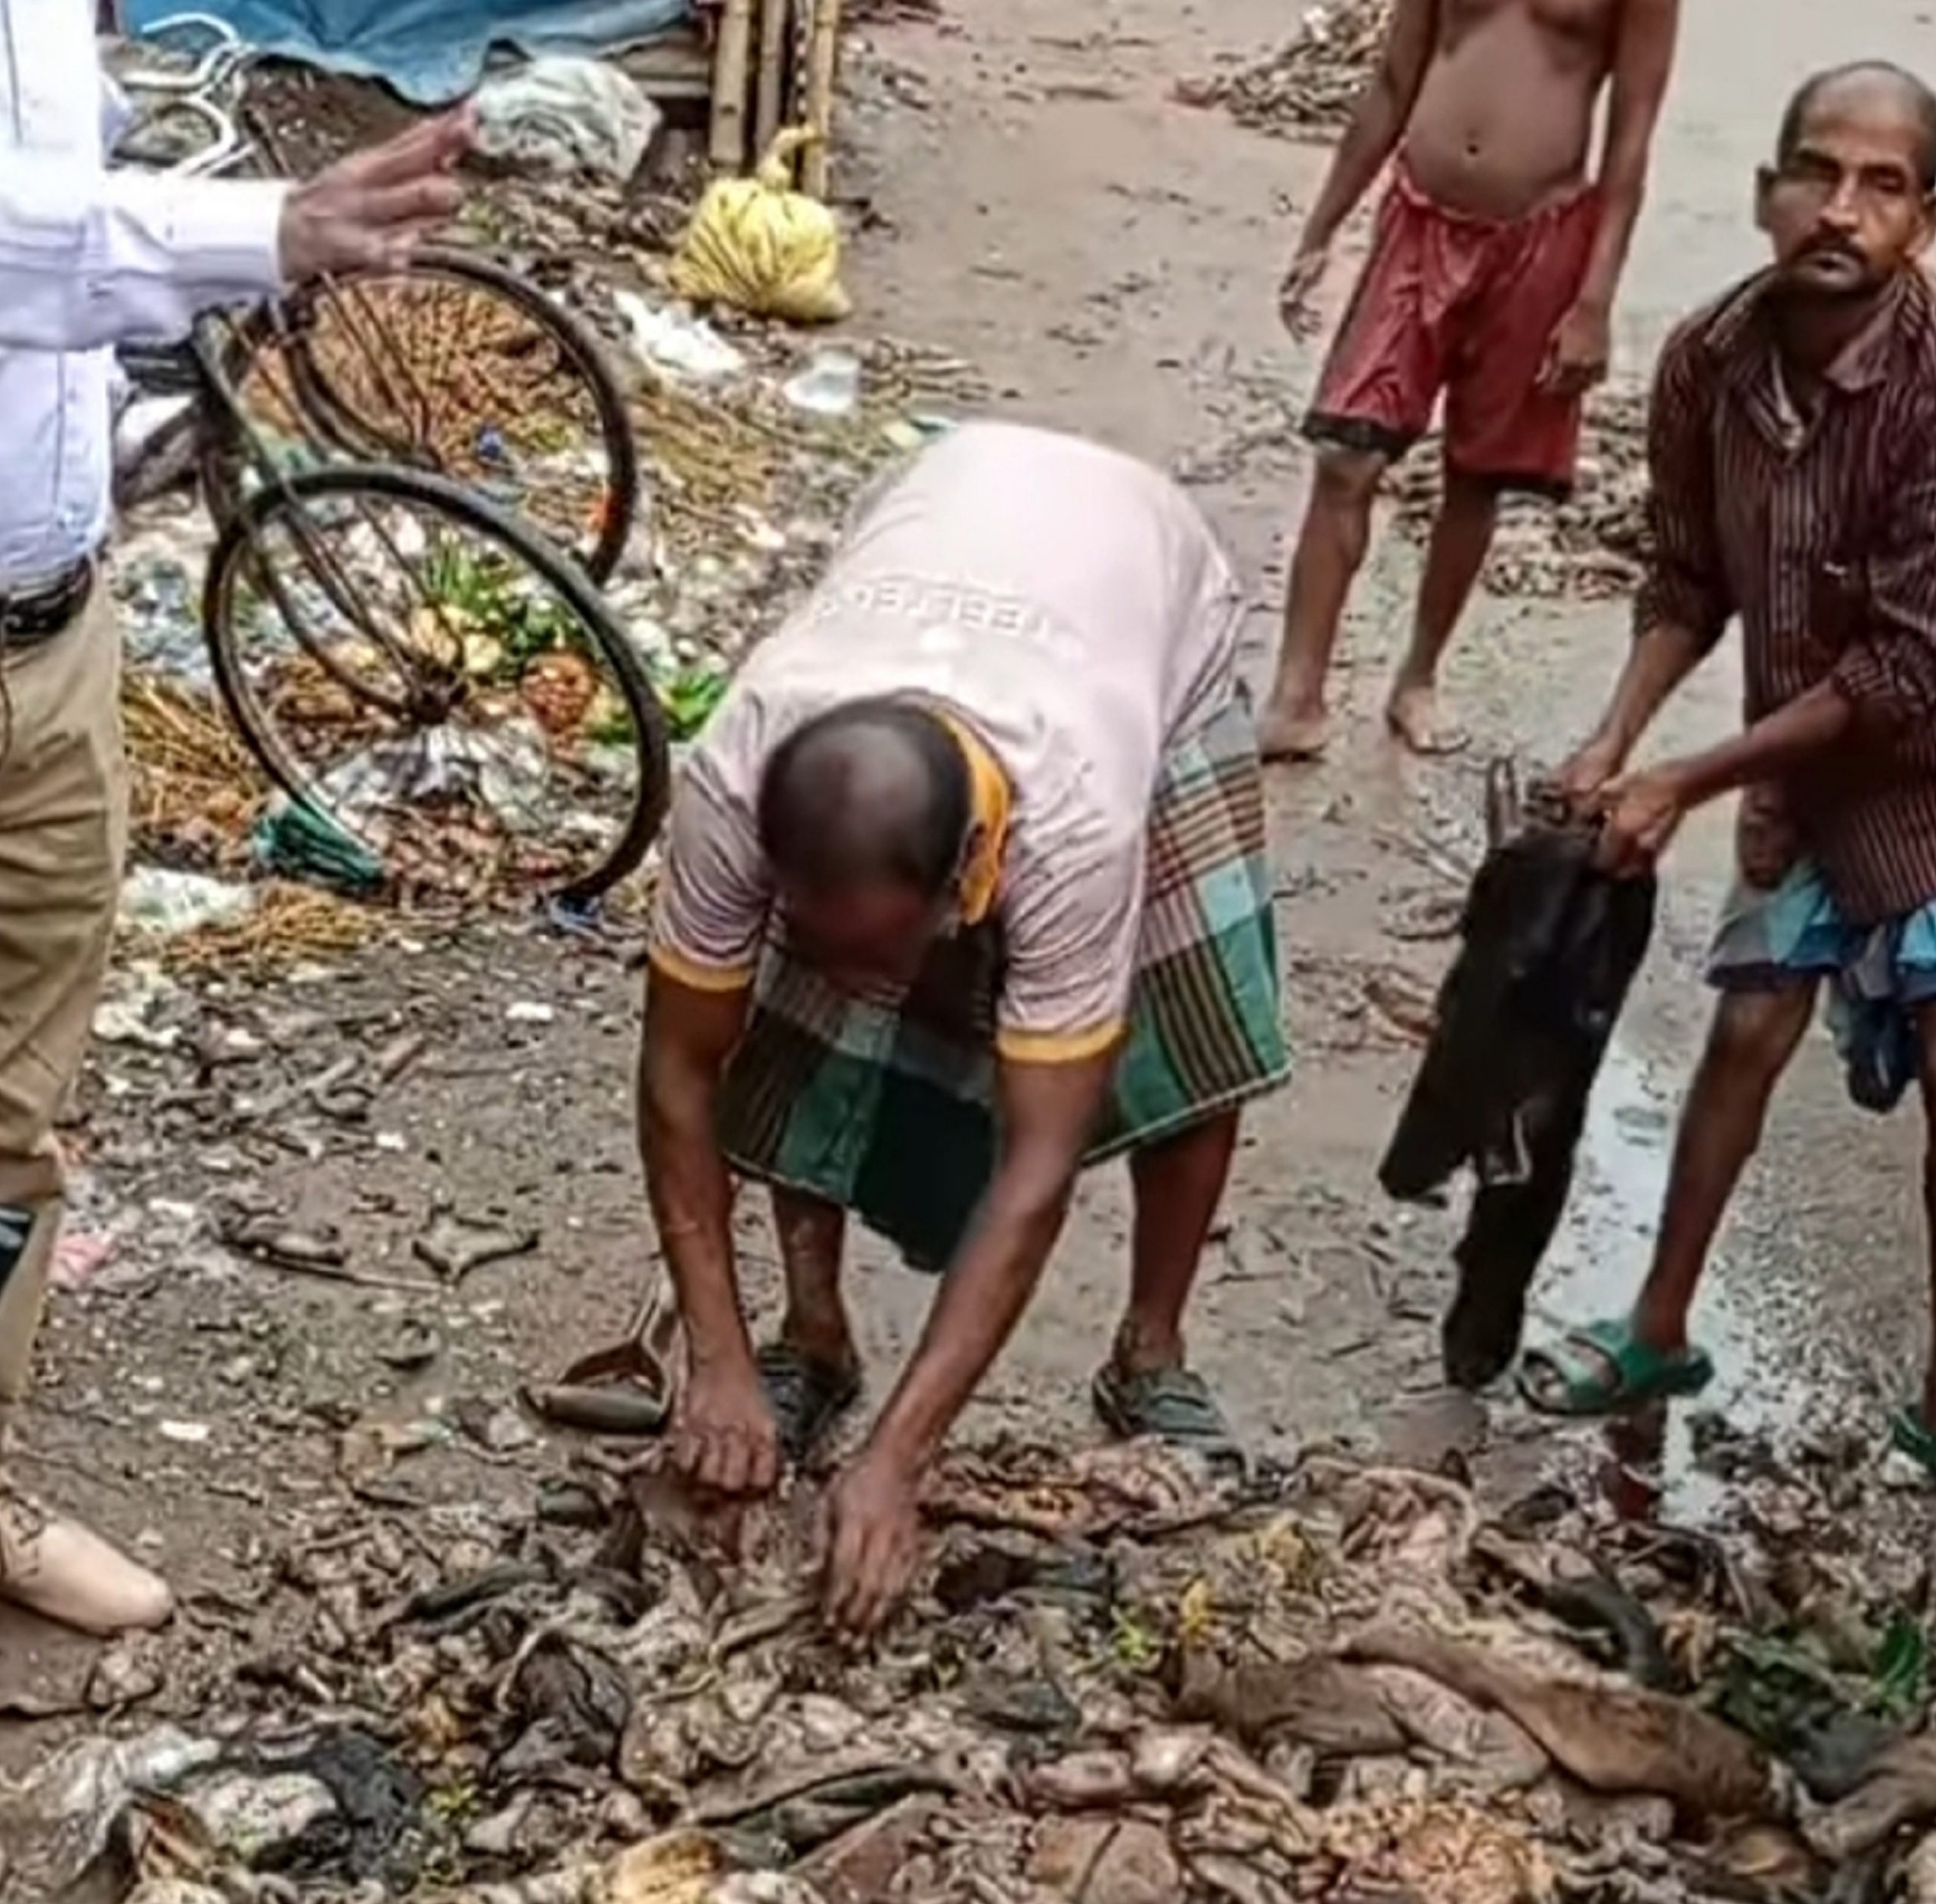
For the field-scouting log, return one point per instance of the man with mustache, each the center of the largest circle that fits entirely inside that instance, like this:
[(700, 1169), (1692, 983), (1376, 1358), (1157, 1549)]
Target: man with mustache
[(1793, 448)]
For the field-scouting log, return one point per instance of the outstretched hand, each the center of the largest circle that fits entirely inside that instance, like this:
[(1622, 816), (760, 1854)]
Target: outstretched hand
[(1581, 777), (369, 211)]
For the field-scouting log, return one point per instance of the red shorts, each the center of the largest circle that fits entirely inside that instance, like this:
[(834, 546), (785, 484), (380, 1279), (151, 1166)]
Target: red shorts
[(1466, 306)]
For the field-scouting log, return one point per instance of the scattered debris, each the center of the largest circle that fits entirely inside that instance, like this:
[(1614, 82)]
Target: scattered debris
[(830, 385), (453, 1247), (1591, 547), (158, 900), (196, 786), (675, 341), (1307, 87), (1329, 1681)]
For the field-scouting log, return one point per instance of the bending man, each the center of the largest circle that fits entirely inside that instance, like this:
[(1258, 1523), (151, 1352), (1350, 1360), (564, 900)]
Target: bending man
[(965, 886)]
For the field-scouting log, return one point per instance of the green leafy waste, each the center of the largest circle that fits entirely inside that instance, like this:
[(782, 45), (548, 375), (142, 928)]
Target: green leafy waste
[(485, 591), (689, 695), (1779, 1689)]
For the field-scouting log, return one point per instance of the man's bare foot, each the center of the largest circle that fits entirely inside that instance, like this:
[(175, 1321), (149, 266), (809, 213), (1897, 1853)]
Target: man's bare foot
[(1287, 733), (58, 1569), (1412, 715)]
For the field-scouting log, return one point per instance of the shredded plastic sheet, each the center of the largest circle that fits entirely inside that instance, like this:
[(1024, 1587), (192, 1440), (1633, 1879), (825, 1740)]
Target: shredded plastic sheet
[(429, 51)]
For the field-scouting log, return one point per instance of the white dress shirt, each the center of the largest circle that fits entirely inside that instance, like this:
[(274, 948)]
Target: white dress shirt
[(89, 258)]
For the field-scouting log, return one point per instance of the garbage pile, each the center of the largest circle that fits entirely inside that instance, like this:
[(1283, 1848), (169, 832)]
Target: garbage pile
[(759, 451), (754, 445), (1591, 547), (1308, 87), (1121, 1682)]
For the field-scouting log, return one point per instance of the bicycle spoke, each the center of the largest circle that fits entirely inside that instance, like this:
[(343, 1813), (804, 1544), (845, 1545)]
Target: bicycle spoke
[(515, 760)]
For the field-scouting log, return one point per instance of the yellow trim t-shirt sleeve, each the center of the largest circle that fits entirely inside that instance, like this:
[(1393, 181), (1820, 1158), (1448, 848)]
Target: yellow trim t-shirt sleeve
[(1072, 921), (709, 917)]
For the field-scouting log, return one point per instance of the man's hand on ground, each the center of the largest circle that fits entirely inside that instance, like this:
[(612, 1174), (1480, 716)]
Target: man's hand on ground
[(1296, 295), (1640, 815), (369, 211), (724, 1439), (1577, 358), (874, 1540)]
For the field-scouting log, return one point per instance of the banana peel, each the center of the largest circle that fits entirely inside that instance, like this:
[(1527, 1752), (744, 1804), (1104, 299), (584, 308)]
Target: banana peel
[(757, 244)]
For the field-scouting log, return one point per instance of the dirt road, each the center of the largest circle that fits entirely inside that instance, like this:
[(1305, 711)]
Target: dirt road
[(1040, 202)]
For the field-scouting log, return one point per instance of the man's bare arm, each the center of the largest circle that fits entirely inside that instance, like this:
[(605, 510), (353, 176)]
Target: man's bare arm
[(1882, 686), (1378, 121), (725, 1440), (1684, 604), (1643, 61), (1048, 1112), (1656, 665), (1640, 813), (689, 1035), (1801, 731)]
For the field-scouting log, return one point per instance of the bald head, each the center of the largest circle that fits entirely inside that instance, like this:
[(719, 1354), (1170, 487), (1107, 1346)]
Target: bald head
[(872, 792), (1864, 89)]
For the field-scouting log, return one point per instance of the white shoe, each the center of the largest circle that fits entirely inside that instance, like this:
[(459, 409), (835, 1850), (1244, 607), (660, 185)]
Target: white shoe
[(58, 1569)]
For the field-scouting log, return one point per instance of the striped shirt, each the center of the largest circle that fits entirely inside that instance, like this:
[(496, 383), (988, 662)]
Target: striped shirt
[(1819, 533)]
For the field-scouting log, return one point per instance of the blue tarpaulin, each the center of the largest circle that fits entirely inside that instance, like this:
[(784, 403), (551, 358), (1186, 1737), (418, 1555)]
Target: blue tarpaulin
[(430, 50)]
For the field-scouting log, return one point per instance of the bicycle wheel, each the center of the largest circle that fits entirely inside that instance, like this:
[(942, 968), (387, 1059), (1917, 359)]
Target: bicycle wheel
[(453, 364), (446, 688)]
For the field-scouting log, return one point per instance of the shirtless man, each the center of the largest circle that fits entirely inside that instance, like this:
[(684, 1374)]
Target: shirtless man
[(1491, 281)]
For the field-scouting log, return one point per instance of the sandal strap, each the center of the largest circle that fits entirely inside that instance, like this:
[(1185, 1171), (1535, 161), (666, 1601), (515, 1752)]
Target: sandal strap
[(806, 1397), (1913, 1436), (1602, 1368), (1173, 1404)]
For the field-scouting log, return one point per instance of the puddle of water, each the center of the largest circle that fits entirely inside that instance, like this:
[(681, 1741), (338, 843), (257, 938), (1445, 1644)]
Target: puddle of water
[(1599, 1259)]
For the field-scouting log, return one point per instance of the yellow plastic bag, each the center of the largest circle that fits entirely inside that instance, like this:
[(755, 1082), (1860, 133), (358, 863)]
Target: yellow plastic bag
[(758, 244)]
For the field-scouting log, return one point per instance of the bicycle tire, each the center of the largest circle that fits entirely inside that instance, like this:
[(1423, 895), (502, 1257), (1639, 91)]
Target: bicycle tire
[(261, 510), (335, 418)]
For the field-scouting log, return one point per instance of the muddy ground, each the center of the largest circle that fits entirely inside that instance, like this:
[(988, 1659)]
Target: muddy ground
[(1034, 197)]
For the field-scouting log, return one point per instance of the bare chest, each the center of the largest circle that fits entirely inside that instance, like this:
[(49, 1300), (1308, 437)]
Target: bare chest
[(1567, 25)]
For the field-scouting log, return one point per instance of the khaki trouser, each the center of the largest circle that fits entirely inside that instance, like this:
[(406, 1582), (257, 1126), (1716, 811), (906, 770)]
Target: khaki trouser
[(63, 838)]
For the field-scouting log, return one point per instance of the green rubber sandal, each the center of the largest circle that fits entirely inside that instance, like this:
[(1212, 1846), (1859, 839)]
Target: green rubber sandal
[(1174, 1405), (1603, 1369), (1910, 1434), (807, 1397)]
